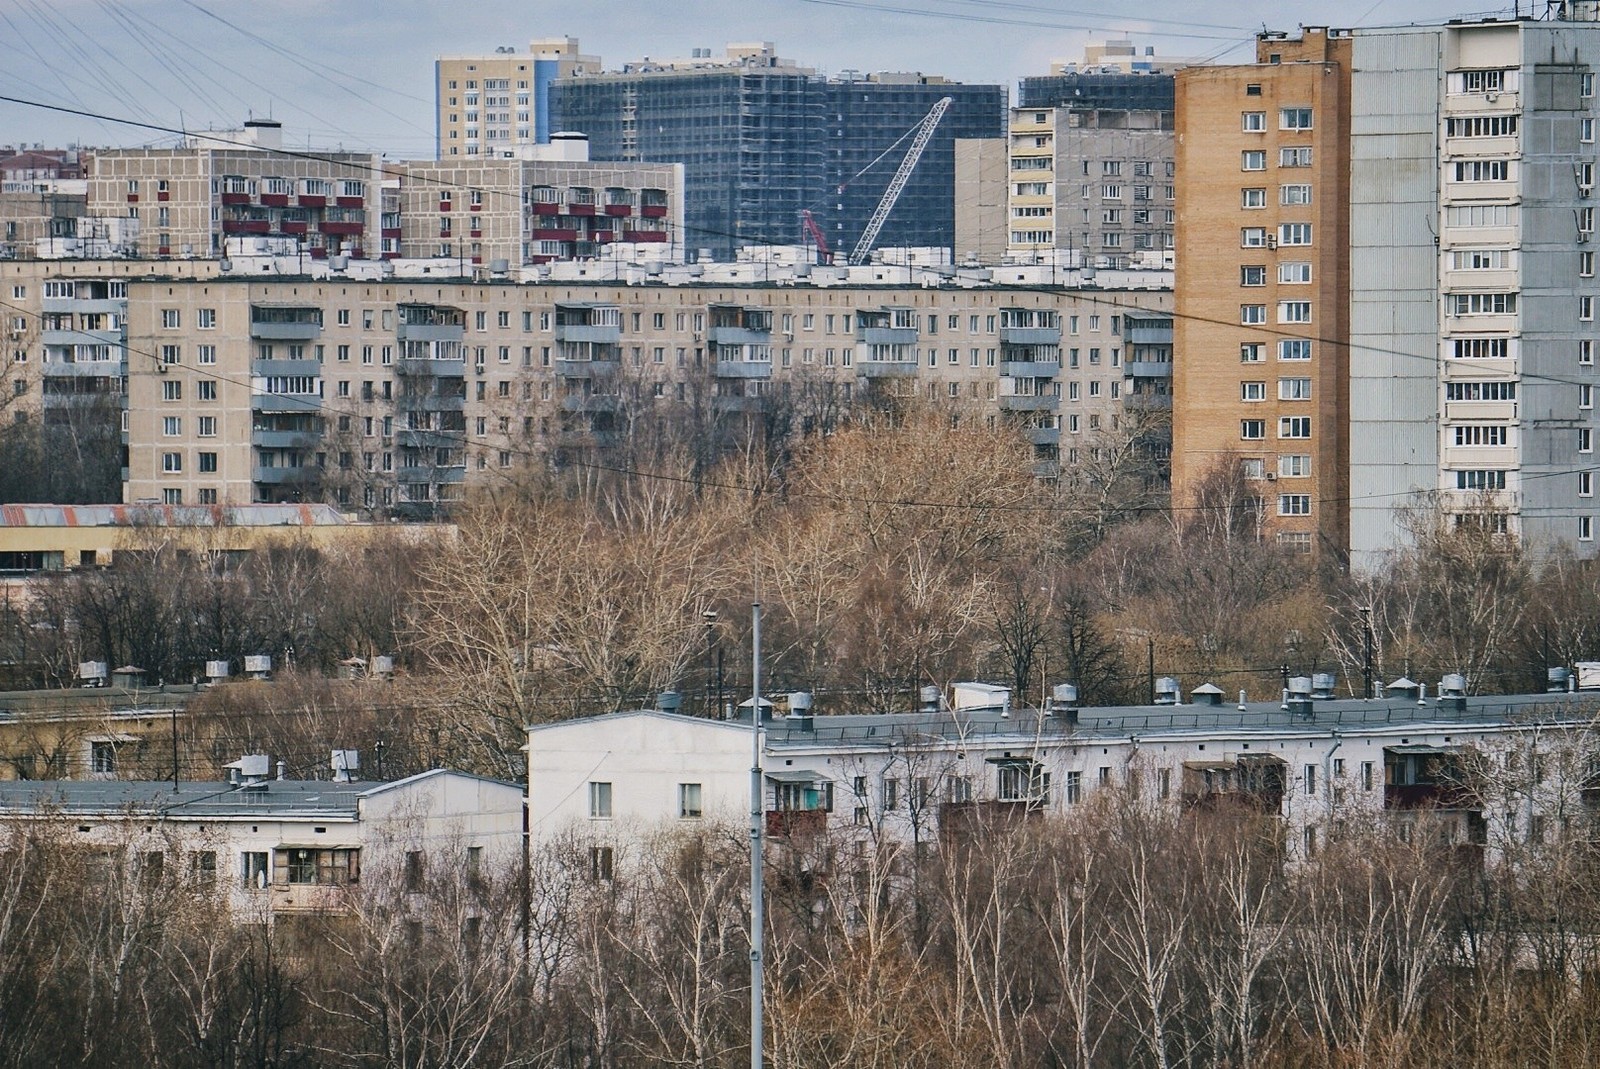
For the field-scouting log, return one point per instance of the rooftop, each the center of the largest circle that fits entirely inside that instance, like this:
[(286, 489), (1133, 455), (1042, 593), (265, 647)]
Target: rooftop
[(305, 515)]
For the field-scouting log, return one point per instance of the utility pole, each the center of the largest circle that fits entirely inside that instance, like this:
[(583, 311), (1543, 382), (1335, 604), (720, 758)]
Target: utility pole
[(757, 834), (1150, 646)]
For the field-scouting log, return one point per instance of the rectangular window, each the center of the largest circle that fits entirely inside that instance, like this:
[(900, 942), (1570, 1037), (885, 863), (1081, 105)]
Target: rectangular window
[(1294, 118), (599, 800), (1254, 122), (1480, 391), (689, 801), (1294, 349), (1294, 233), (1481, 171), (1253, 237), (1252, 391), (208, 462), (1585, 528), (1252, 314), (172, 462), (1252, 429), (207, 426), (1295, 157), (1480, 479), (1294, 504), (1299, 193), (1250, 352), (1480, 348), (1253, 198), (1294, 273), (1294, 427), (1253, 275), (1479, 304), (255, 870), (1294, 466), (1294, 389), (171, 426), (1294, 311), (1476, 434), (1253, 160)]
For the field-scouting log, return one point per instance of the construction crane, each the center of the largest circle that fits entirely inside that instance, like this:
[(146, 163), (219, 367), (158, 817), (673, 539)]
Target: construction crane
[(897, 184), (814, 232)]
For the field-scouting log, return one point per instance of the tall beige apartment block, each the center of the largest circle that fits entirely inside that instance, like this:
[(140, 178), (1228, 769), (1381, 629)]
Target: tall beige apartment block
[(498, 104), (1262, 283)]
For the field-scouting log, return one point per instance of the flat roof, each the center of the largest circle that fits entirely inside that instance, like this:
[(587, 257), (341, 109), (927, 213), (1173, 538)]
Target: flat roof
[(301, 515)]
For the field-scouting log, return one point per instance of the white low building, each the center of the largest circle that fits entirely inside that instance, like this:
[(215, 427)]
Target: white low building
[(1481, 768), (282, 846)]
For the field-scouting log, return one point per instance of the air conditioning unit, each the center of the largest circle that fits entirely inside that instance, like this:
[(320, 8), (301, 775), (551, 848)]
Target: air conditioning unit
[(1585, 191), (1491, 97)]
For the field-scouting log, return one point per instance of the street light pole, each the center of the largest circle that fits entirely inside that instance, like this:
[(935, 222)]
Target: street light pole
[(757, 835)]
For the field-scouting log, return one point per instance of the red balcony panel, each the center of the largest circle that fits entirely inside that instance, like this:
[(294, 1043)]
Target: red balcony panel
[(390, 232), (444, 205), (163, 196), (391, 256), (785, 823), (318, 252), (246, 226), (654, 211), (553, 234), (235, 198), (295, 226), (164, 250), (1430, 796), (541, 259), (477, 259), (543, 208), (358, 253), (644, 235), (275, 200), (474, 233), (580, 209), (350, 202), (347, 229), (604, 235), (619, 209), (133, 198), (312, 200)]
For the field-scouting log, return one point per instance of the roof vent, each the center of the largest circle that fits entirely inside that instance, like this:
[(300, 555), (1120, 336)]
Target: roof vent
[(928, 699), (669, 701), (1206, 694), (800, 717), (1401, 688), (1322, 684), (216, 671), (258, 666), (1454, 685), (92, 673), (1555, 680), (1064, 700), (1168, 691), (1300, 687), (252, 768)]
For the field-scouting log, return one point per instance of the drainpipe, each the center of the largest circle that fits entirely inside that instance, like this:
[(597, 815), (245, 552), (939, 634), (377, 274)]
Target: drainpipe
[(1327, 763)]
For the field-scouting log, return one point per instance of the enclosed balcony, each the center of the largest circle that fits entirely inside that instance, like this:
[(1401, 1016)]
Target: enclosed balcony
[(1249, 782), (431, 323), (736, 325), (1030, 326), (887, 326), (594, 323)]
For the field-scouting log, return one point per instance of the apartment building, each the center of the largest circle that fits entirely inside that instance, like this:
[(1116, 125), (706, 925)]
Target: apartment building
[(955, 769), (389, 395), (1095, 183), (1472, 372), (1263, 174), (526, 211), (763, 139), (279, 850), (499, 104), (189, 201)]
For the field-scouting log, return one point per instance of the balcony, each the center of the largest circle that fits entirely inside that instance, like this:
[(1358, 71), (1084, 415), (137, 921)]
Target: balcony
[(431, 332), (112, 338), (887, 335), (796, 823), (307, 368), (312, 200), (441, 369), (733, 335), (594, 402), (1030, 335), (407, 438), (603, 333), (587, 369), (963, 820), (1044, 435), (285, 402), (552, 233), (1146, 332), (887, 369), (275, 200), (1029, 403), (85, 305), (1148, 369), (246, 226), (343, 229), (235, 198), (276, 476), (110, 369), (443, 474), (265, 439), (644, 235), (742, 369), (301, 331), (1030, 369)]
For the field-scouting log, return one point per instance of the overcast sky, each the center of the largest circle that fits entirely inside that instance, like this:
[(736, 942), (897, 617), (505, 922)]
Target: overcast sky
[(358, 73)]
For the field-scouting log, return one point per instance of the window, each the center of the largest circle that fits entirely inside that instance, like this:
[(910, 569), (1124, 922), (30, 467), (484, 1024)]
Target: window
[(602, 860), (1294, 389), (1254, 122), (1586, 264), (1480, 391), (1294, 194), (1476, 434), (1294, 233), (1253, 160), (1253, 467), (1294, 118), (1253, 198), (1294, 157), (206, 390), (170, 319), (1586, 131), (1294, 466), (1294, 273), (171, 390), (1294, 427), (1252, 429), (1252, 391), (255, 870), (1253, 237), (1250, 352), (171, 426), (103, 758), (206, 354), (208, 463), (689, 803), (1024, 781), (1254, 275), (171, 463), (1252, 313), (1294, 311), (1294, 504), (1585, 484), (1479, 304), (413, 870), (1480, 215), (599, 800), (207, 426), (1585, 528), (1481, 171), (1480, 348)]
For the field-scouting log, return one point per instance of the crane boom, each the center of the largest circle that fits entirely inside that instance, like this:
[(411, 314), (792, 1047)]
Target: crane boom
[(897, 184)]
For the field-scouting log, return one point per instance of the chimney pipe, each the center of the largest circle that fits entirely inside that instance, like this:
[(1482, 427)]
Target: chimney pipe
[(283, 770)]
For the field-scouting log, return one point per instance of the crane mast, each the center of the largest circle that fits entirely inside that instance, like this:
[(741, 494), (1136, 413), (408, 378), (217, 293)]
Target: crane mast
[(897, 184)]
